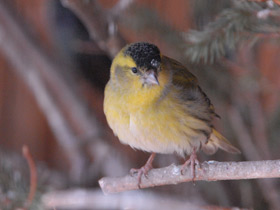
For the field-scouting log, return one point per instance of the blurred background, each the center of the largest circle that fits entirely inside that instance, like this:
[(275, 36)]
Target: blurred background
[(55, 58)]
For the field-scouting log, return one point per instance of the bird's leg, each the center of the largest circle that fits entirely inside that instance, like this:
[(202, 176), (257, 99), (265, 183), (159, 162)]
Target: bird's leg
[(191, 161), (144, 169)]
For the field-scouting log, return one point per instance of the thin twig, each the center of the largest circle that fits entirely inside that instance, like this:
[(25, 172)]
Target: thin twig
[(33, 176), (209, 171)]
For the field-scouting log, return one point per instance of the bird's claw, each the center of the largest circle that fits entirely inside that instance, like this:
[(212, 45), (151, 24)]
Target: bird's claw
[(192, 161), (133, 171), (143, 170), (140, 172)]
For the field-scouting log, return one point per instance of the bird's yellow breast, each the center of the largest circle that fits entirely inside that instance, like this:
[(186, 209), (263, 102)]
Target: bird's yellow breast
[(161, 125)]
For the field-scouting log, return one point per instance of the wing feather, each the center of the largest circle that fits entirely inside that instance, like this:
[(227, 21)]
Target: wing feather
[(190, 90)]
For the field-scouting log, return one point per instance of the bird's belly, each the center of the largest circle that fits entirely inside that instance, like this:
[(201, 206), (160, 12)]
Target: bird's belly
[(157, 130), (158, 133), (133, 135)]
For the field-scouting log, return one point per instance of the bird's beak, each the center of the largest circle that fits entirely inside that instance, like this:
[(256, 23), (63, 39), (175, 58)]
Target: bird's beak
[(151, 78)]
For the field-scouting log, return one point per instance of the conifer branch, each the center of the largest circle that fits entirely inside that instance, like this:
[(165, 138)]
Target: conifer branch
[(209, 171), (245, 21)]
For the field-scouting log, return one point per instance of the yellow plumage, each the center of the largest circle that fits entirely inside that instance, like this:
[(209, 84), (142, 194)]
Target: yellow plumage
[(153, 103)]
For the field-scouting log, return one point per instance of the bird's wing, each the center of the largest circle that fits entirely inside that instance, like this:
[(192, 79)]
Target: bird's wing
[(190, 90), (181, 76)]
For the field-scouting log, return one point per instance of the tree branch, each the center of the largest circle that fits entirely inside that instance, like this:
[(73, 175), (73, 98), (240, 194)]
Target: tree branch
[(209, 171)]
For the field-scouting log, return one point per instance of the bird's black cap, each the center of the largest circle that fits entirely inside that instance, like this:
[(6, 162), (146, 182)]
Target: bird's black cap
[(144, 54)]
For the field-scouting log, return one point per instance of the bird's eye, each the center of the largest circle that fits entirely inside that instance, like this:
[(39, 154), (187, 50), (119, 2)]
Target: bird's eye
[(134, 70)]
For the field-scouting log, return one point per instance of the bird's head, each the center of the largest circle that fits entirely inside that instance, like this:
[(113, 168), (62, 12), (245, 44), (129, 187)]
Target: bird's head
[(137, 65)]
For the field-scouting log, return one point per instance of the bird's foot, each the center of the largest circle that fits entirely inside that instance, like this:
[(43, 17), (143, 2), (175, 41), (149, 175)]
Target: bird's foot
[(192, 161), (140, 172), (143, 170)]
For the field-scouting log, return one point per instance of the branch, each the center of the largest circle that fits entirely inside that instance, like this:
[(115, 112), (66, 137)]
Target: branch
[(33, 176), (243, 22), (209, 171)]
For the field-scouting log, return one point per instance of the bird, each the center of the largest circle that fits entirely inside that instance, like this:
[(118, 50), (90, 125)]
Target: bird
[(154, 103)]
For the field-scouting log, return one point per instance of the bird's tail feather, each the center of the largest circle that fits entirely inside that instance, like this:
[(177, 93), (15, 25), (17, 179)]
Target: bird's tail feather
[(217, 141)]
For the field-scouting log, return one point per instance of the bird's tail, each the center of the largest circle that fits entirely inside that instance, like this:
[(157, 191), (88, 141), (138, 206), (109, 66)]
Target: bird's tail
[(217, 141)]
